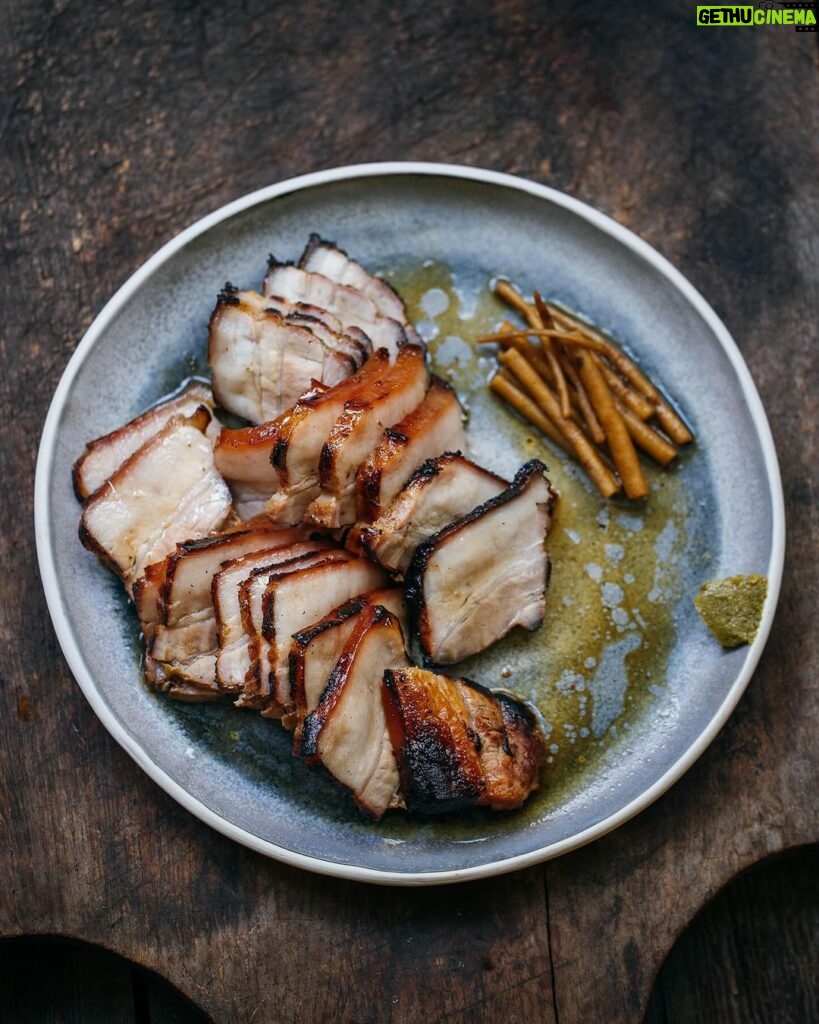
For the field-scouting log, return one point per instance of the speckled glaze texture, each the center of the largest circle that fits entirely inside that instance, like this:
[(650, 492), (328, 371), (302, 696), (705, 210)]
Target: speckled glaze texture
[(235, 770)]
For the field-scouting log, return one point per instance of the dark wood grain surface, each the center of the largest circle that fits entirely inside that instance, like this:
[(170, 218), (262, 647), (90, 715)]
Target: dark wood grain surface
[(121, 124), (752, 954)]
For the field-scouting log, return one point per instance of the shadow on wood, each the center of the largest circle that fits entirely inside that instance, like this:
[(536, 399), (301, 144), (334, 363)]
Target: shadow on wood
[(51, 979), (751, 954)]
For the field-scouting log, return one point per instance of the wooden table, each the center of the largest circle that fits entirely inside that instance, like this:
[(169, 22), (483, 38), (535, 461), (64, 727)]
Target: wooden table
[(122, 124)]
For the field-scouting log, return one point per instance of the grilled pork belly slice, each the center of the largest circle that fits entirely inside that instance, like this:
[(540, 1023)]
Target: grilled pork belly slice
[(351, 307), (442, 490), (233, 353), (326, 258), (356, 346), (388, 334), (147, 597), (291, 357), (315, 650), (295, 284), (511, 747), (347, 731), (103, 457), (281, 305), (476, 579), (243, 456), (351, 342), (459, 745), (358, 429), (302, 433), (435, 426), (168, 491), (430, 730), (257, 690), (328, 327), (262, 361), (297, 598), (234, 657), (184, 644)]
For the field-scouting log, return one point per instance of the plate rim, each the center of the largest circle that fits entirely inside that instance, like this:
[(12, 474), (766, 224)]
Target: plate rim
[(70, 648)]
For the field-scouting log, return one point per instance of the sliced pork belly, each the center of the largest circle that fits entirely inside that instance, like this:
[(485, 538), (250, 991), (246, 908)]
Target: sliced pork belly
[(388, 334), (235, 656), (233, 354), (511, 748), (476, 579), (302, 433), (326, 258), (294, 284), (358, 429), (433, 427), (147, 597), (168, 491), (297, 599), (430, 730), (103, 457), (258, 690), (442, 490), (285, 308), (347, 731), (291, 357), (184, 644), (314, 651), (355, 346), (243, 456), (459, 745), (351, 307), (395, 339), (262, 361)]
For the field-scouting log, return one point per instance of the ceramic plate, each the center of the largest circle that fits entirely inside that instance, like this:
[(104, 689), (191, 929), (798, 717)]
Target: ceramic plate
[(632, 686)]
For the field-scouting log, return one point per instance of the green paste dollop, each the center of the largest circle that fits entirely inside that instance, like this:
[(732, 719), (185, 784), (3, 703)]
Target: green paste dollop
[(732, 608)]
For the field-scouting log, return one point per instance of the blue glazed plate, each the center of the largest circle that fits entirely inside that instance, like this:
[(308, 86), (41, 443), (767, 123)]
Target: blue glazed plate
[(623, 726)]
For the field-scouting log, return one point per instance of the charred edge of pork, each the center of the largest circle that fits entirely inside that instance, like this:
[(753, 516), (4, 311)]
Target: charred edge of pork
[(428, 470), (228, 296), (392, 288), (303, 637), (278, 456), (278, 453), (369, 481), (315, 241), (268, 631), (518, 715), (341, 430), (414, 577), (521, 717), (76, 479), (304, 319), (313, 723), (431, 772), (273, 261), (439, 382), (189, 547), (89, 542), (432, 467)]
